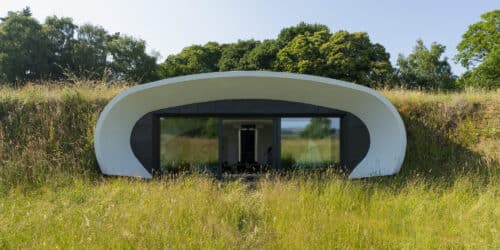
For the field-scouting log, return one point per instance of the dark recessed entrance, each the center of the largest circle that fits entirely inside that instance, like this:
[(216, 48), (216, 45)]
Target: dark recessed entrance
[(247, 145)]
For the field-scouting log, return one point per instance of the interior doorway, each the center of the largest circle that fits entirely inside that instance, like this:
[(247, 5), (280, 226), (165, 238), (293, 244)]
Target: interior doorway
[(248, 145), (244, 144)]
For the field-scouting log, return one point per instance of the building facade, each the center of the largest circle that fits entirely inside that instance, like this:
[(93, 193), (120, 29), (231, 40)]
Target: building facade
[(231, 122)]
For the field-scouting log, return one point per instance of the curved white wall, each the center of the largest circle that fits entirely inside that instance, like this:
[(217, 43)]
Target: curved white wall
[(115, 124)]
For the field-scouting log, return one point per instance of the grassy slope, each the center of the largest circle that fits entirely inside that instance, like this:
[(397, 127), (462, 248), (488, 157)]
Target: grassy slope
[(51, 193)]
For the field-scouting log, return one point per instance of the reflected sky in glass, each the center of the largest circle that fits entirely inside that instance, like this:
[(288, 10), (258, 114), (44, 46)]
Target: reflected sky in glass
[(301, 122)]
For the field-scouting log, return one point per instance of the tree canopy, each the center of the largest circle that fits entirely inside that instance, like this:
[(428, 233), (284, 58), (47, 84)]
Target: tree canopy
[(479, 51), (286, 35), (353, 57), (191, 60), (261, 57), (128, 60), (30, 51), (305, 48), (425, 68), (24, 48), (302, 54), (318, 128), (232, 54), (61, 34)]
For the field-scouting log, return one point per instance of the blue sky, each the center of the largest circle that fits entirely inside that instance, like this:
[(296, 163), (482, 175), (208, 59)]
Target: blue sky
[(168, 26)]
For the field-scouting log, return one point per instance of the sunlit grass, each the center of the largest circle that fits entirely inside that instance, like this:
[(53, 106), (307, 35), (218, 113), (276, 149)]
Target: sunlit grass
[(303, 212), (398, 96), (58, 90)]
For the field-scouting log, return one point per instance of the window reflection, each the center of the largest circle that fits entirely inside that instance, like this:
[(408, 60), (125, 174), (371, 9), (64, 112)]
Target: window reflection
[(188, 144), (310, 142)]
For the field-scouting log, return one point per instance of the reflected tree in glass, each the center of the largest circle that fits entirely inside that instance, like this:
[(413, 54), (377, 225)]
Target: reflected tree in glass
[(310, 142)]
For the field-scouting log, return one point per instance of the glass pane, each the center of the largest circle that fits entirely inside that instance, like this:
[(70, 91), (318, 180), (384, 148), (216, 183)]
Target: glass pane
[(188, 143), (310, 142)]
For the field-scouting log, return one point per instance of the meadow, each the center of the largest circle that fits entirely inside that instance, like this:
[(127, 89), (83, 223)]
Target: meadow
[(53, 195)]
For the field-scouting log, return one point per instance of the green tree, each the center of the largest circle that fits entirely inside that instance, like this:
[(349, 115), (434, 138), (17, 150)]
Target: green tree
[(89, 55), (24, 53), (302, 54), (191, 60), (425, 68), (61, 35), (129, 60), (318, 128), (479, 51), (486, 74), (286, 35), (262, 57), (353, 57), (232, 54), (31, 51), (342, 55)]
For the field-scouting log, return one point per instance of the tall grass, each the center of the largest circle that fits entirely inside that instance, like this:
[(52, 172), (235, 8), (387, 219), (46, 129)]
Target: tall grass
[(52, 194), (304, 212)]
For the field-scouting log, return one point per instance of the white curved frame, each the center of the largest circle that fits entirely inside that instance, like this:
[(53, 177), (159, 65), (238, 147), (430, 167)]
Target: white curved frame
[(385, 126)]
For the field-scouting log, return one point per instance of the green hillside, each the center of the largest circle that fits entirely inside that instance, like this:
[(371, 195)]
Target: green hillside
[(52, 193)]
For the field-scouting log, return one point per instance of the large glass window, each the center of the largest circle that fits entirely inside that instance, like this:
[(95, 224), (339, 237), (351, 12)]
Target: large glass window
[(188, 144), (310, 142)]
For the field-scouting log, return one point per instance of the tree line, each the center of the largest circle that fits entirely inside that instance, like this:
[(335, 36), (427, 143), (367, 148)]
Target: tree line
[(59, 49)]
